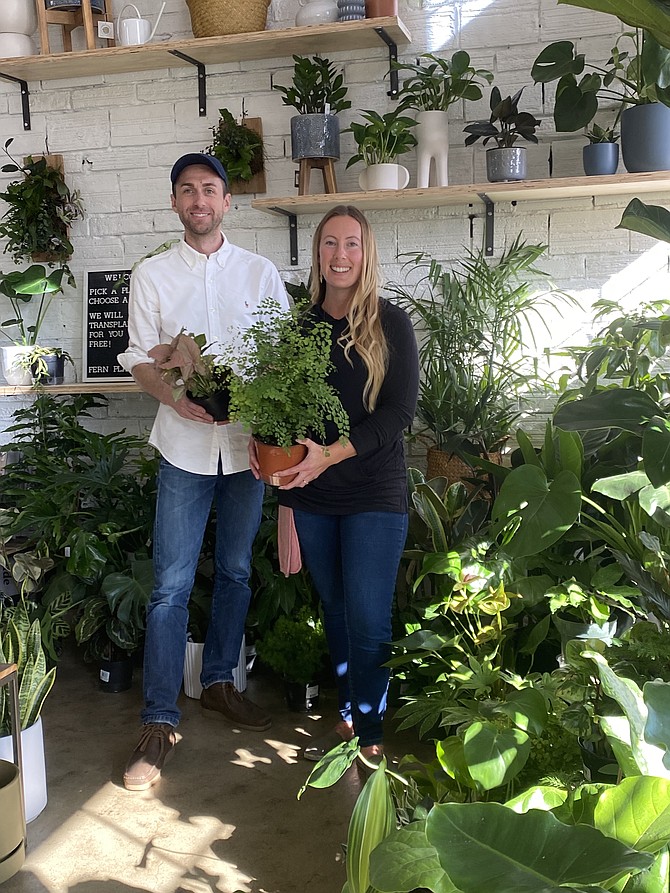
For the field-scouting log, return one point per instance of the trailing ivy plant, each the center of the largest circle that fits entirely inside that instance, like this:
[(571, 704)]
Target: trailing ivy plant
[(41, 209), (238, 148)]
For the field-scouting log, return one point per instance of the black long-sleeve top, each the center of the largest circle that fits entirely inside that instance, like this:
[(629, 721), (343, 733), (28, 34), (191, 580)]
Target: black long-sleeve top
[(375, 479)]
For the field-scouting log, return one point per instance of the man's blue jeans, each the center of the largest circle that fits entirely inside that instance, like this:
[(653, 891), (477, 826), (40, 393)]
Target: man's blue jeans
[(353, 560), (182, 509)]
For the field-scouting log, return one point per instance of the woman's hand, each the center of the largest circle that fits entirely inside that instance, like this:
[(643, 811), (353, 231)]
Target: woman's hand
[(316, 461)]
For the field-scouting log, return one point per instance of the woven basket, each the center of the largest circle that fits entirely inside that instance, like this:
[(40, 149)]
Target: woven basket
[(211, 18), (451, 467)]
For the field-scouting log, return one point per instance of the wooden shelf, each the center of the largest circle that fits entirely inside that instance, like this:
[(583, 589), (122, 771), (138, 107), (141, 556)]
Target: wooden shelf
[(439, 196), (330, 37), (487, 194), (74, 387)]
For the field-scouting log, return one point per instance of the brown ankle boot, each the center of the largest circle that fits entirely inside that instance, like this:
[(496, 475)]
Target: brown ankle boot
[(223, 700)]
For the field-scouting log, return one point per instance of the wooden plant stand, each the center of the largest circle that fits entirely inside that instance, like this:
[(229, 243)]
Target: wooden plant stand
[(68, 21), (327, 168)]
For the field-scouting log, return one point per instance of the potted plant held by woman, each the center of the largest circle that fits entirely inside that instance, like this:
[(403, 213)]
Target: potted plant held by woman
[(505, 126), (280, 389), (433, 85), (380, 141)]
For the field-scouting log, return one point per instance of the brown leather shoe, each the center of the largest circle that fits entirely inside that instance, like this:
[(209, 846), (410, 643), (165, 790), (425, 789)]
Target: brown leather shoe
[(223, 700), (153, 750)]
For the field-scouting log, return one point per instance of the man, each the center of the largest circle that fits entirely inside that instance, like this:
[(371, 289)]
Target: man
[(203, 284)]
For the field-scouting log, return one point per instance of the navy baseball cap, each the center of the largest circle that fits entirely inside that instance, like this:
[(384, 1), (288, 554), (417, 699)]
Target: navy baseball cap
[(209, 161)]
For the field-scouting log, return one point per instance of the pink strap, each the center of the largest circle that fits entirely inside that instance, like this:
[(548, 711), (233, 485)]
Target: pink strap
[(288, 546)]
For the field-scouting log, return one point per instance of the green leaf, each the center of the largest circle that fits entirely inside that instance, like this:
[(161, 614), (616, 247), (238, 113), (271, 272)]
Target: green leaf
[(332, 766), (488, 847), (657, 730), (652, 15), (650, 220), (636, 812), (626, 408), (656, 451), (494, 755), (406, 861)]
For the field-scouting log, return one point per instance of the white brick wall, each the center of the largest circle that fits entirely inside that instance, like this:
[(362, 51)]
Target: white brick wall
[(120, 134)]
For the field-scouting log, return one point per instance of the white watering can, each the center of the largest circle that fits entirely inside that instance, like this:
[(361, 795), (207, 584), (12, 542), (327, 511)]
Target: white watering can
[(133, 31)]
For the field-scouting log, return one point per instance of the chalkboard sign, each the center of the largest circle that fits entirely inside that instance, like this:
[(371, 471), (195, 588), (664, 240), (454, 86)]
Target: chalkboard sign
[(105, 324)]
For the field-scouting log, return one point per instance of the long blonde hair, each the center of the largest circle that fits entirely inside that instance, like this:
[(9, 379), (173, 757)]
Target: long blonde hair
[(364, 330)]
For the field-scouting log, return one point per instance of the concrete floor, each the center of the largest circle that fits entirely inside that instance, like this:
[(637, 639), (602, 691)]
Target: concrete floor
[(223, 818)]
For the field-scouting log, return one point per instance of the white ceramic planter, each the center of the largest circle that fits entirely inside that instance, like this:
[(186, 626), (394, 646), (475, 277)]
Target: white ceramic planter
[(19, 16), (193, 668), (11, 354), (384, 176), (432, 136), (34, 767)]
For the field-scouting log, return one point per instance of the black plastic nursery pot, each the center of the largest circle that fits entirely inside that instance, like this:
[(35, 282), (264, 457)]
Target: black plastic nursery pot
[(216, 404), (301, 697), (55, 370), (116, 675)]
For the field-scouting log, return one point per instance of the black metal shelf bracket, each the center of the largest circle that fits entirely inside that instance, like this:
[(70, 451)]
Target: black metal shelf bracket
[(25, 98), (489, 221), (292, 233), (393, 57), (202, 80)]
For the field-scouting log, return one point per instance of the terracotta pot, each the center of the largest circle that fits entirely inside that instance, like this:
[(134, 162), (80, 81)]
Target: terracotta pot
[(273, 458), (376, 9)]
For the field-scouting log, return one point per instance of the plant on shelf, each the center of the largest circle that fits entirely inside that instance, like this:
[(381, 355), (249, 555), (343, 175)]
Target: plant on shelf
[(41, 209), (598, 134), (237, 146), (280, 390), (506, 123), (640, 78), (434, 83), (19, 287), (382, 139), (317, 87), (295, 647)]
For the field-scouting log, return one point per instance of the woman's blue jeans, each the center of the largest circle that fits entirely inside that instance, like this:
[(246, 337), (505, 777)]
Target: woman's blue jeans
[(182, 509), (353, 560)]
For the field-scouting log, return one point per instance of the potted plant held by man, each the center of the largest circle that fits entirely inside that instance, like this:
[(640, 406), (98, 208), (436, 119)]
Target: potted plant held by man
[(280, 389), (505, 126)]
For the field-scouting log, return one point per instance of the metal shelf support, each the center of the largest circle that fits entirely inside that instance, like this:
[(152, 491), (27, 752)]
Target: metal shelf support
[(489, 221), (393, 57), (292, 233), (202, 80), (25, 98)]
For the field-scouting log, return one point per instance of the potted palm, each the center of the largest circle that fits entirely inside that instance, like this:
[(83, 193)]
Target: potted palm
[(473, 367), (505, 126), (318, 94), (635, 81), (280, 390), (433, 85), (201, 376), (379, 142)]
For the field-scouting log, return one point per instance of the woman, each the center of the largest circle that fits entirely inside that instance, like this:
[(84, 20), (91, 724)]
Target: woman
[(350, 499)]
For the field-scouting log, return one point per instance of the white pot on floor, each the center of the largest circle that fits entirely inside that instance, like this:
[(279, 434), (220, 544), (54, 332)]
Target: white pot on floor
[(34, 767), (193, 668)]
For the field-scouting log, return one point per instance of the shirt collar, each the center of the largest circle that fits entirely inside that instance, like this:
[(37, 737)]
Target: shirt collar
[(193, 257)]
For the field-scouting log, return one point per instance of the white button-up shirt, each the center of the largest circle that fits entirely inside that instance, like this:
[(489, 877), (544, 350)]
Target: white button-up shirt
[(216, 296)]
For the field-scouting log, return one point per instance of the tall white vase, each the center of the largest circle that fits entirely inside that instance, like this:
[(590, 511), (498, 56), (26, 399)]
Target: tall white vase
[(432, 137), (18, 21)]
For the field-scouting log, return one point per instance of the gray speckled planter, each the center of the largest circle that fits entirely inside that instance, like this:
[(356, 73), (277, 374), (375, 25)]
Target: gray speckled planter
[(315, 136), (506, 164)]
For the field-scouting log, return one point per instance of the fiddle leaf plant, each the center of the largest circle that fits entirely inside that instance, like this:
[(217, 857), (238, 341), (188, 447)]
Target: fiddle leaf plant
[(435, 83)]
